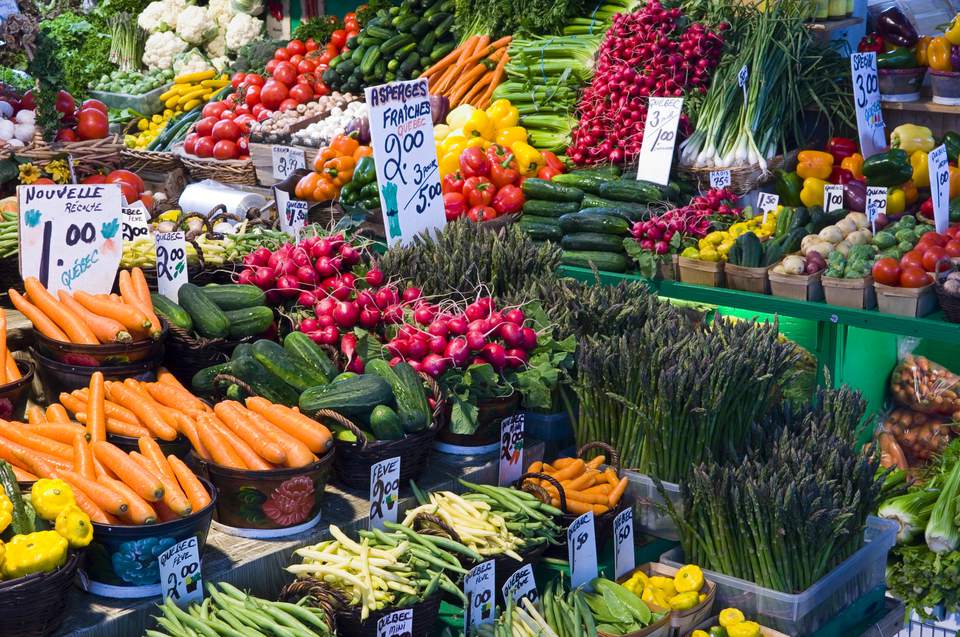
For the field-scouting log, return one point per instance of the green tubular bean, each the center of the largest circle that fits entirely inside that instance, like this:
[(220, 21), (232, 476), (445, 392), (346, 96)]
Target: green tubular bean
[(420, 496), (173, 628), (265, 622), (424, 554), (285, 619), (190, 621), (448, 586), (432, 586), (229, 618), (155, 633), (225, 629)]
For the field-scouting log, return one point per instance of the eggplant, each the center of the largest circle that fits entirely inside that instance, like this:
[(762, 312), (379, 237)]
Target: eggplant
[(360, 128), (440, 106), (855, 195)]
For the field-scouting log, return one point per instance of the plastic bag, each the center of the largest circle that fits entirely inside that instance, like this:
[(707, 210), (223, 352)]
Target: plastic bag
[(922, 385), (921, 436)]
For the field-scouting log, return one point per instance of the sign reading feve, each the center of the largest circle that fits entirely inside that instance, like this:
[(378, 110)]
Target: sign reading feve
[(69, 236), (866, 97), (171, 263), (624, 556), (659, 139), (478, 588), (582, 550), (136, 221), (521, 584), (180, 574), (511, 449), (401, 133), (286, 161), (939, 167), (384, 492), (399, 623)]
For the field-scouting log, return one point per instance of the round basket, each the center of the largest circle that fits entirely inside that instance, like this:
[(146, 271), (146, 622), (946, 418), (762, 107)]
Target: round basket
[(9, 278), (425, 615), (103, 354), (162, 162), (34, 606), (230, 171), (948, 302), (743, 179), (187, 353), (89, 157)]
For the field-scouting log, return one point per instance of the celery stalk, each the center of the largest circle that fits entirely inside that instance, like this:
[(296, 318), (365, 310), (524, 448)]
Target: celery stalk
[(942, 535)]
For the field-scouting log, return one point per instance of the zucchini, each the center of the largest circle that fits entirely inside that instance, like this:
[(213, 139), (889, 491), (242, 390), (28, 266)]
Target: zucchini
[(262, 382), (540, 208), (541, 228), (385, 423), (534, 188), (202, 381), (21, 523), (208, 319), (413, 410), (169, 310), (234, 296), (308, 353), (609, 261), (586, 183), (592, 241), (355, 396), (633, 190), (607, 224), (285, 366), (249, 321)]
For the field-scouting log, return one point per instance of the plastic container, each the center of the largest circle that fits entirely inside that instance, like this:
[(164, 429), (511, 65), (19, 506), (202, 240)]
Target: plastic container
[(649, 509), (803, 613), (858, 294), (697, 272), (554, 430), (901, 85), (915, 302), (146, 104), (802, 287), (58, 377), (946, 87), (103, 354), (747, 279)]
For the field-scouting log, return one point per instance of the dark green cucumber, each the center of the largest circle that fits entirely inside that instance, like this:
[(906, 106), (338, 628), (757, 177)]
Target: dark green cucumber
[(355, 396), (208, 319), (586, 183), (285, 366), (609, 261), (234, 296), (202, 381), (396, 42), (631, 190), (592, 241), (21, 523), (369, 59), (262, 382), (413, 410), (541, 228), (249, 321), (243, 349), (637, 211), (587, 222), (310, 354), (169, 310), (385, 423), (534, 188), (541, 208), (442, 50)]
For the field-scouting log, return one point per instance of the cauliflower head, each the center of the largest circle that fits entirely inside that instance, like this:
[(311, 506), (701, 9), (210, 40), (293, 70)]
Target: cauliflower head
[(221, 12), (242, 29), (217, 47), (161, 48), (161, 15), (194, 25), (192, 61), (220, 63)]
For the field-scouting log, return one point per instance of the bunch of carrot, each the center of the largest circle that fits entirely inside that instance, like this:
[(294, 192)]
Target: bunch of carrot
[(91, 319), (470, 73), (587, 486), (9, 372)]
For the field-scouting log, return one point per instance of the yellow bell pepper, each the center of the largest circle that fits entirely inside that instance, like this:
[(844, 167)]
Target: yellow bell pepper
[(938, 54), (50, 497), (699, 633), (684, 601), (812, 193), (920, 51), (954, 182), (458, 117), (503, 114), (688, 578), (455, 141), (691, 253), (38, 552), (921, 169), (744, 629), (479, 125), (507, 137), (440, 132), (529, 159), (814, 163), (730, 616), (476, 141), (74, 525), (896, 201), (449, 163), (911, 138), (952, 33), (853, 163), (910, 192)]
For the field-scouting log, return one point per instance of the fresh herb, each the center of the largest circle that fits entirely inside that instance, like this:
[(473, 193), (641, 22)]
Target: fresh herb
[(922, 579), (16, 79), (318, 28), (81, 45), (46, 67)]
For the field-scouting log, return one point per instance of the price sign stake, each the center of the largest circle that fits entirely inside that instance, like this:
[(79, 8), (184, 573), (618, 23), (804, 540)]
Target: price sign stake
[(767, 202), (720, 179), (384, 492), (399, 623), (478, 588), (511, 449), (521, 584), (286, 161), (876, 204), (171, 263), (866, 95), (624, 557), (582, 550), (940, 187), (832, 197), (180, 574), (136, 221), (659, 139)]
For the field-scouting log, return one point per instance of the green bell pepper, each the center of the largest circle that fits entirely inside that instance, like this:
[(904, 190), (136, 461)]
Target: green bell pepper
[(951, 140), (788, 186), (350, 193), (955, 209), (370, 190), (365, 171), (900, 58), (370, 203), (891, 168)]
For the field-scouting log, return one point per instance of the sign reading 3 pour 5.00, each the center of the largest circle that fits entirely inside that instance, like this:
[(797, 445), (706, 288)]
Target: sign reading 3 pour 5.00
[(70, 236), (401, 132)]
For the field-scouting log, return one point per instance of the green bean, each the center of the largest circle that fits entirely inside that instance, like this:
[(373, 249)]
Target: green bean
[(189, 620), (303, 614)]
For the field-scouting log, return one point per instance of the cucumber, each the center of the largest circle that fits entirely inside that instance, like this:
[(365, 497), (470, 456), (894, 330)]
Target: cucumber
[(262, 382), (437, 18), (592, 241), (284, 366), (243, 349), (369, 59), (614, 211), (586, 183), (208, 319), (406, 24), (343, 376), (169, 310), (249, 321), (633, 190), (609, 261), (355, 396), (413, 411), (396, 42), (444, 26), (235, 296), (541, 228), (426, 44), (409, 63), (202, 381), (534, 188), (541, 208), (21, 523), (440, 51), (380, 33), (385, 423), (635, 211), (420, 29), (607, 170), (607, 224), (310, 354)]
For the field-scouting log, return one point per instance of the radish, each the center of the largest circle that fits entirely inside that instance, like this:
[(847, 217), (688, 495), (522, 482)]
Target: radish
[(495, 319), (369, 317), (479, 361), (439, 328), (437, 344), (365, 298), (395, 361), (417, 349), (424, 315), (337, 264), (408, 331), (480, 325), (458, 325), (316, 337), (341, 291), (393, 315), (515, 316), (512, 334), (288, 286), (349, 279), (415, 365), (307, 299), (325, 320), (529, 339), (399, 347), (434, 365), (329, 335), (261, 256), (346, 314), (349, 255), (309, 325), (245, 277), (324, 268), (386, 296), (374, 278), (264, 278), (355, 365), (476, 340), (325, 306), (307, 276), (475, 312), (411, 294), (301, 258), (516, 358), (457, 350), (494, 354)]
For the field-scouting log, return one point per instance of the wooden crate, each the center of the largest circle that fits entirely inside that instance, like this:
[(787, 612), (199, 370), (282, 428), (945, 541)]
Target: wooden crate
[(262, 153)]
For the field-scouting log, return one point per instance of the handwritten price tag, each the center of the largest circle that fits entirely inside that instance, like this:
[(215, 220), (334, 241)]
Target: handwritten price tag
[(478, 588), (286, 161), (511, 449), (720, 179), (876, 204), (582, 550), (521, 584), (136, 221), (767, 202), (294, 217), (866, 95), (832, 197), (624, 556), (399, 623), (171, 263), (180, 572), (384, 492), (939, 168), (659, 139)]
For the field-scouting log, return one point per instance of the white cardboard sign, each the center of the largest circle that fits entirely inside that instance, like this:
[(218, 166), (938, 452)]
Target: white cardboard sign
[(511, 449), (720, 179), (582, 550), (876, 204), (832, 197), (624, 556), (384, 492), (866, 99), (659, 139), (171, 263), (136, 221), (478, 587), (521, 584), (399, 623), (180, 572), (294, 217), (939, 167), (286, 161), (767, 202)]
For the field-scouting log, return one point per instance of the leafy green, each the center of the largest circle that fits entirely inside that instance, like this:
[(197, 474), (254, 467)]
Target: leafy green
[(81, 47), (923, 579), (319, 29), (20, 81), (107, 8), (467, 387)]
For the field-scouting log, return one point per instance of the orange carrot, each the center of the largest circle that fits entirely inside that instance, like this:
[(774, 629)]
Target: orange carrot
[(306, 430), (43, 323), (587, 498), (3, 347), (535, 467), (117, 427), (229, 412), (9, 450), (69, 322), (39, 466), (104, 328), (145, 412), (20, 434), (96, 410), (141, 286), (165, 376), (495, 79), (56, 413), (173, 496), (463, 83), (188, 428), (455, 69), (168, 415), (611, 476), (221, 452), (61, 432), (139, 510), (579, 508), (103, 496), (571, 471), (603, 489), (477, 89), (245, 451), (583, 481), (596, 462), (297, 453), (113, 409), (191, 485), (560, 463), (101, 470), (152, 452), (13, 370), (146, 486), (83, 458), (617, 492), (33, 462), (35, 415), (175, 398), (23, 475), (488, 50), (130, 296), (131, 317), (164, 514)]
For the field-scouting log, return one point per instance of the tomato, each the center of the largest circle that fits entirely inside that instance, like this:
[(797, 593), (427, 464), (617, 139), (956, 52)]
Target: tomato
[(912, 277), (225, 149), (243, 146), (285, 72), (237, 79), (913, 258), (190, 143), (94, 179), (251, 96), (296, 59), (296, 47), (934, 237), (325, 58), (256, 109), (272, 66), (226, 129), (338, 38), (97, 104), (479, 191), (148, 201), (320, 89), (228, 114), (354, 33), (886, 271), (253, 78), (287, 104), (67, 135), (204, 127), (126, 176), (351, 24), (214, 109), (273, 93), (301, 93), (129, 193), (244, 122), (932, 255), (332, 50), (264, 114), (310, 45), (92, 124), (953, 248), (243, 109), (479, 214), (281, 54), (65, 103), (306, 66), (205, 146)]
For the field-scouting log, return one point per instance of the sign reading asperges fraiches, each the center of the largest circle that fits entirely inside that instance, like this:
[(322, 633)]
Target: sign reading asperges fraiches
[(401, 133), (70, 236)]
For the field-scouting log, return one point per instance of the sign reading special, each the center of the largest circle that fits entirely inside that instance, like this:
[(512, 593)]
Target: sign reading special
[(70, 236), (401, 132)]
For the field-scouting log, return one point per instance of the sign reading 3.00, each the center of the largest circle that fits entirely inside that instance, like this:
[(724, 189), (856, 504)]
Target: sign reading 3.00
[(866, 97)]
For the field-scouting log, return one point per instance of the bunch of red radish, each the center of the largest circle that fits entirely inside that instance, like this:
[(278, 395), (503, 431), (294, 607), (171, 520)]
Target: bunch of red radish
[(439, 340), (695, 220), (645, 53)]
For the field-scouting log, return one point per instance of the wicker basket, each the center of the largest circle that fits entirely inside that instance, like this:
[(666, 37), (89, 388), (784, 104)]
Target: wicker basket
[(151, 160), (89, 157), (34, 606), (9, 278), (187, 353), (949, 303), (7, 151), (229, 171), (425, 615), (743, 179)]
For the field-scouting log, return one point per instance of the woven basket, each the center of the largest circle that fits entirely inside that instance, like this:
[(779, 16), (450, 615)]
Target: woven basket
[(9, 278), (743, 179), (425, 615), (89, 157), (187, 353), (137, 160), (34, 606), (949, 302), (7, 151), (229, 171)]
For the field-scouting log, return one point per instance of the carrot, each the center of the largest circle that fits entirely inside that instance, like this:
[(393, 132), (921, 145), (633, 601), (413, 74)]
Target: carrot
[(191, 485), (167, 415), (231, 414), (596, 462), (35, 415), (612, 478), (306, 430), (560, 463), (145, 485), (103, 496), (614, 498), (535, 467), (475, 91), (39, 466), (113, 409), (570, 471), (23, 436), (465, 81), (488, 50), (175, 398), (33, 462), (583, 481), (13, 371), (219, 448), (61, 432), (104, 328), (152, 452), (603, 489), (117, 427), (131, 317), (173, 496), (494, 80), (57, 414), (83, 458), (579, 508), (139, 510), (588, 498), (189, 429), (3, 347), (41, 321), (447, 60), (298, 454), (164, 514), (144, 411), (68, 321), (23, 475), (467, 50), (131, 297), (165, 376), (140, 286), (96, 410), (242, 449), (9, 450)]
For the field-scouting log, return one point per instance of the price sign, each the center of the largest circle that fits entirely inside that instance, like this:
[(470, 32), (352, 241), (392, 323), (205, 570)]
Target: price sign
[(171, 263), (70, 167), (286, 161), (136, 221), (399, 623), (940, 187), (866, 95), (401, 132), (743, 76), (767, 202), (659, 138), (720, 179), (521, 584), (876, 204), (180, 572), (69, 236), (624, 557), (582, 550), (384, 492), (478, 589), (832, 197), (294, 217), (511, 449)]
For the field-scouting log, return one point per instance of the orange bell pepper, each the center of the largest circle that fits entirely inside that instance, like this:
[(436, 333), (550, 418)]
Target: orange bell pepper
[(814, 163), (325, 190), (910, 192), (339, 169), (362, 151), (344, 145), (920, 52), (938, 54), (853, 163), (954, 181)]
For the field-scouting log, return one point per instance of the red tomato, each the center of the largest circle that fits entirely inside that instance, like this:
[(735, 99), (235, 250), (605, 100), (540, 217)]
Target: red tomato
[(296, 59), (332, 50), (351, 24), (228, 114), (931, 256), (952, 248), (237, 79), (272, 66), (912, 277), (934, 237), (127, 177), (273, 93), (479, 214), (226, 129), (287, 104), (281, 54), (214, 109), (66, 104), (886, 271), (190, 143), (204, 127), (352, 33), (96, 179), (301, 93), (67, 135), (148, 201), (296, 47), (264, 114), (256, 109), (243, 146), (306, 66), (244, 122), (320, 89), (225, 149), (243, 109), (325, 58), (251, 97), (285, 72), (97, 104), (92, 124), (310, 45), (253, 78), (338, 38), (205, 145), (129, 193), (913, 258)]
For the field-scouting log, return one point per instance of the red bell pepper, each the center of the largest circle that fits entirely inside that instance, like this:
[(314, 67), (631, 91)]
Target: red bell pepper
[(504, 172), (508, 199), (473, 162), (553, 161), (926, 208), (840, 176), (479, 214), (841, 148), (547, 173), (455, 205), (871, 42), (452, 182), (479, 191)]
